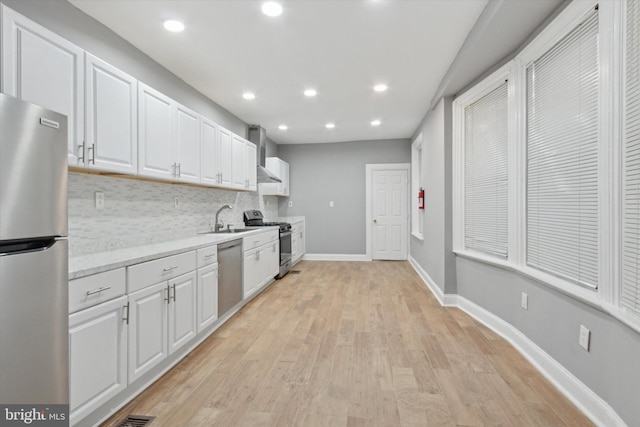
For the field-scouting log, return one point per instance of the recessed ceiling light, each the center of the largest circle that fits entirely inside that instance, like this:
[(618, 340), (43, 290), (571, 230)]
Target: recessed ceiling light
[(283, 127), (249, 95), (271, 8), (380, 88), (376, 123), (173, 25), (330, 125), (310, 92)]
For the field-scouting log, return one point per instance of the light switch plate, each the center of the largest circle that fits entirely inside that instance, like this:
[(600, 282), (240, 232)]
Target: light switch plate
[(585, 337), (330, 203), (290, 204)]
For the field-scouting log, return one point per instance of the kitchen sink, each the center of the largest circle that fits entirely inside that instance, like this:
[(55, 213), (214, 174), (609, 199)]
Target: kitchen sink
[(229, 231)]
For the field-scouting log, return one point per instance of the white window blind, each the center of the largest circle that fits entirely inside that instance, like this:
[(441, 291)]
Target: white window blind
[(562, 157), (630, 295), (485, 173)]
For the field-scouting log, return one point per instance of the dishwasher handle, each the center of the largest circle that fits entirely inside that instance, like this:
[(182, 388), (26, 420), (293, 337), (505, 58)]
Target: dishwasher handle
[(231, 244)]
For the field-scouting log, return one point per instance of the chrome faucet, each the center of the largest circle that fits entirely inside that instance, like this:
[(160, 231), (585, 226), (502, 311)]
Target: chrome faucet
[(219, 226)]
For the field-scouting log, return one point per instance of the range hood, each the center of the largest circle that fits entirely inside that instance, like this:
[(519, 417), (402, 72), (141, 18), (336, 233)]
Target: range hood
[(258, 135)]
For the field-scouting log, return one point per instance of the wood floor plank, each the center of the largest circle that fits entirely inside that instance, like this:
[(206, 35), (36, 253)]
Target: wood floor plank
[(352, 344)]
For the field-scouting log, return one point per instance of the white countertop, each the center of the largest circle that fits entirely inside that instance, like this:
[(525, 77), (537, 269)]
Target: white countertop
[(87, 265)]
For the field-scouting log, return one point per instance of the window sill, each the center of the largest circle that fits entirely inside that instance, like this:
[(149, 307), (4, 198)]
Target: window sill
[(587, 296)]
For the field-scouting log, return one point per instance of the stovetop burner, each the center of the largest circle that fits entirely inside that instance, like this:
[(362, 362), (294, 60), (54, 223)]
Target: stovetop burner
[(255, 218)]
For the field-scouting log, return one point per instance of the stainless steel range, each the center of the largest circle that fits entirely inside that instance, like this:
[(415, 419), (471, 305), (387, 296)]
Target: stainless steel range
[(255, 218)]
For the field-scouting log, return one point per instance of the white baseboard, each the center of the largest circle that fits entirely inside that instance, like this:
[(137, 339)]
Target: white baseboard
[(335, 257), (592, 405)]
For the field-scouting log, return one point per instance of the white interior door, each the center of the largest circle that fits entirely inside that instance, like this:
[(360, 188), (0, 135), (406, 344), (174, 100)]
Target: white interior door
[(389, 213)]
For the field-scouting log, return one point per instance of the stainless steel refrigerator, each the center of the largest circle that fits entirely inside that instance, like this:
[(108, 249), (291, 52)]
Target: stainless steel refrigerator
[(34, 361)]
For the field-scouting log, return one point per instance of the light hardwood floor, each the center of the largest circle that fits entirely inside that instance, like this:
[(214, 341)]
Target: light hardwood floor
[(352, 344)]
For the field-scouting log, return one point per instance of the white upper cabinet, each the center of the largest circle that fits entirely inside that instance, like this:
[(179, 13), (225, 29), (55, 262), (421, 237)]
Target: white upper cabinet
[(281, 169), (111, 118), (209, 152), (243, 164), (155, 134), (238, 163), (187, 144), (224, 164), (251, 163), (41, 67)]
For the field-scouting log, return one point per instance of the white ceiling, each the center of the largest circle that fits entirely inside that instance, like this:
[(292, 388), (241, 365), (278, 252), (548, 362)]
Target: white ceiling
[(339, 47)]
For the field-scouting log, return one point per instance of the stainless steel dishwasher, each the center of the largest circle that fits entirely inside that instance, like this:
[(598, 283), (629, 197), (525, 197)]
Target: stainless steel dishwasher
[(229, 275)]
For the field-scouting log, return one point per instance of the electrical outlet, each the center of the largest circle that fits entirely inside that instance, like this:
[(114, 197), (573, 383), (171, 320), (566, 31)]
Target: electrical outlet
[(524, 301), (99, 200), (585, 337), (290, 204), (330, 203), (176, 202)]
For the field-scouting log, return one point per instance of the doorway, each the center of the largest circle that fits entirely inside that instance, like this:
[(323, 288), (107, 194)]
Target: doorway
[(387, 213)]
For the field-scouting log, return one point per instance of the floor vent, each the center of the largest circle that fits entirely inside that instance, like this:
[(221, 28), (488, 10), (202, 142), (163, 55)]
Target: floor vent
[(294, 272), (136, 421)]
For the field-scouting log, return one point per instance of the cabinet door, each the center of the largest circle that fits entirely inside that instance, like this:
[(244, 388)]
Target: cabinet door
[(97, 356), (147, 329), (111, 118), (225, 142), (209, 153), (251, 164), (271, 261), (238, 163), (252, 273), (156, 152), (182, 310), (41, 67), (207, 296), (187, 140)]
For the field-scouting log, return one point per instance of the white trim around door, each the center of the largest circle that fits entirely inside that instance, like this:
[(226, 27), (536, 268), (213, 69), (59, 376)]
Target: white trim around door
[(370, 168)]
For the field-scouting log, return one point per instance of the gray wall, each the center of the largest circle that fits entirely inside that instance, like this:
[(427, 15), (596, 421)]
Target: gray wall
[(69, 22), (323, 172), (434, 252), (553, 322)]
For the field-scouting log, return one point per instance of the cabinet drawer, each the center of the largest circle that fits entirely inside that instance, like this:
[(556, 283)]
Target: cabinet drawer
[(93, 290), (207, 256), (149, 273), (251, 242)]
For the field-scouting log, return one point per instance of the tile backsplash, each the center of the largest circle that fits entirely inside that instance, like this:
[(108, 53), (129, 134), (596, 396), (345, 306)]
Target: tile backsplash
[(141, 212)]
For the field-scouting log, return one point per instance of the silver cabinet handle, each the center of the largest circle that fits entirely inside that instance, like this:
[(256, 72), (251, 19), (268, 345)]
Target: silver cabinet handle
[(168, 293), (81, 152), (92, 158), (207, 256), (179, 169), (97, 291), (168, 269), (173, 169), (126, 318), (174, 292), (257, 255)]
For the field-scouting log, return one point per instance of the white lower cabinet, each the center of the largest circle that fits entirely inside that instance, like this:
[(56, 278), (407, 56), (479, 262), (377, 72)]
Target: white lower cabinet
[(297, 241), (207, 311), (97, 356), (147, 329), (182, 310), (260, 266), (162, 319)]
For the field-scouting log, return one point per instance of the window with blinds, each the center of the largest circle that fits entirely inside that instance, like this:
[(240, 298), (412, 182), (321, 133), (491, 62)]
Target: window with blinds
[(485, 173), (562, 157), (630, 293)]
